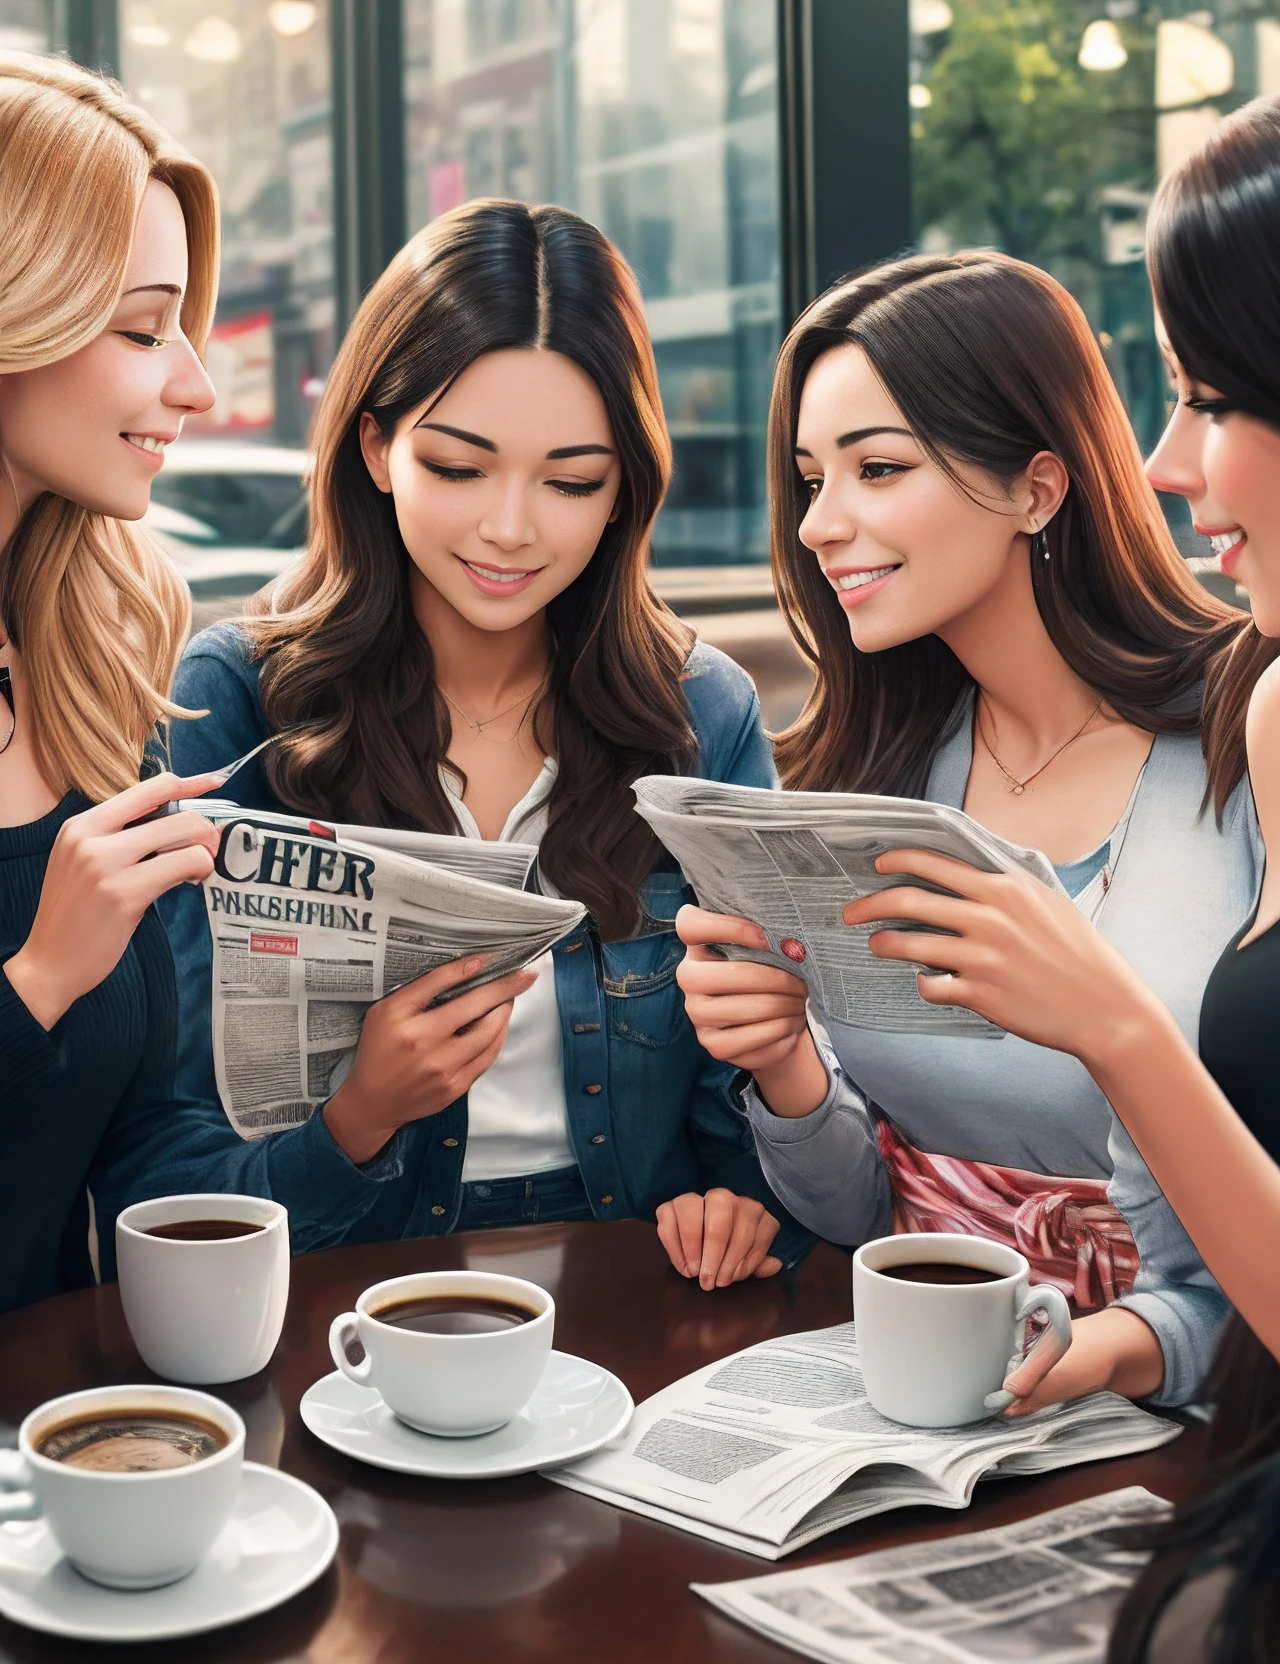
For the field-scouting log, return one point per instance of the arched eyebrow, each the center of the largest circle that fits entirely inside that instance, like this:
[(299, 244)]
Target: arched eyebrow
[(460, 433), (856, 438), (560, 454), (154, 288)]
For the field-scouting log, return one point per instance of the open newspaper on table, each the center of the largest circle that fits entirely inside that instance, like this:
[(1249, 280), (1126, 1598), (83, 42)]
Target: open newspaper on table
[(1043, 1591), (312, 922), (791, 861), (778, 1444)]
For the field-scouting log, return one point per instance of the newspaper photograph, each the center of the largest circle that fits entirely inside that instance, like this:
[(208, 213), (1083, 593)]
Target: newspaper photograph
[(311, 924), (1043, 1591), (772, 1447), (792, 861)]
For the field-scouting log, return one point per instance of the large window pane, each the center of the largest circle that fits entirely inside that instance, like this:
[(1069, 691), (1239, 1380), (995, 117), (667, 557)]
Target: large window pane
[(24, 26), (246, 89), (657, 120), (1041, 127)]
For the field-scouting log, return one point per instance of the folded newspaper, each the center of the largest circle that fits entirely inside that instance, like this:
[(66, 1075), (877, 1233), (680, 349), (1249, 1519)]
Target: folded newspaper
[(311, 922), (777, 1445), (791, 861), (1043, 1591)]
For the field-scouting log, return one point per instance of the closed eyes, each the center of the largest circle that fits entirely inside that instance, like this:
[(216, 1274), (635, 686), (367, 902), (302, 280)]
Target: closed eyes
[(1212, 408), (566, 488)]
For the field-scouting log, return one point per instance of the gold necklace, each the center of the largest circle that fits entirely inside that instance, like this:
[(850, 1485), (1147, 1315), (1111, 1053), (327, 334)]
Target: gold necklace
[(478, 725), (1016, 787)]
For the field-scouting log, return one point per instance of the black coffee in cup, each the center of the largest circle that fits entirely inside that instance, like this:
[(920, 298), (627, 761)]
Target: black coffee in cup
[(203, 1230), (454, 1314), (133, 1441), (939, 1271)]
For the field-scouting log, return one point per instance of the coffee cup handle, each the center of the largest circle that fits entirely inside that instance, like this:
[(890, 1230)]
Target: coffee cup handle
[(1043, 1297), (342, 1331), (18, 1500)]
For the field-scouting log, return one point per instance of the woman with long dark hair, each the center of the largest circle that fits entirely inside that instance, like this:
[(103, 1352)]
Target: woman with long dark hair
[(471, 645), (967, 549), (1209, 1129)]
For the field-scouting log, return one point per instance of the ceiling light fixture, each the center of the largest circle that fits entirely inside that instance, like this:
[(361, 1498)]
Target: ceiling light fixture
[(1102, 48)]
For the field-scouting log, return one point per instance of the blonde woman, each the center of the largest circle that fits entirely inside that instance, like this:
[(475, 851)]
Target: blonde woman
[(108, 262)]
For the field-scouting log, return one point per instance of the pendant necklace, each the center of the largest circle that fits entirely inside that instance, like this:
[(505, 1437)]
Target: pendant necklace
[(1015, 786), (478, 725)]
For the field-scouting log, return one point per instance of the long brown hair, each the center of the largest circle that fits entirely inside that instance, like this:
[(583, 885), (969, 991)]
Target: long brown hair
[(92, 603), (990, 361), (1214, 257), (1234, 1520), (348, 672)]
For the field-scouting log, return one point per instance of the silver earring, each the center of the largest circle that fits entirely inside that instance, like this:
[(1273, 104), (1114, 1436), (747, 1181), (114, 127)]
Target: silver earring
[(1040, 543)]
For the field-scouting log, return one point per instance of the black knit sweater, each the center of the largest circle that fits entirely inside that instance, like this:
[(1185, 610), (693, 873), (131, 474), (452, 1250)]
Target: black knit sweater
[(67, 1097)]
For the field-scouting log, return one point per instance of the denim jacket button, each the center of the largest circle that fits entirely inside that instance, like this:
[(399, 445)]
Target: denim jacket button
[(598, 1139), (438, 1210), (605, 1200), (451, 1143), (592, 1089)]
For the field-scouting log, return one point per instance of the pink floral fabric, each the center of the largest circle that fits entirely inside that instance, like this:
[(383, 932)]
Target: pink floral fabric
[(1070, 1233)]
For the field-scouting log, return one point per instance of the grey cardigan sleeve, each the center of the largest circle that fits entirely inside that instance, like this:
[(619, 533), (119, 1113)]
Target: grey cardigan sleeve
[(825, 1166), (1174, 1291)]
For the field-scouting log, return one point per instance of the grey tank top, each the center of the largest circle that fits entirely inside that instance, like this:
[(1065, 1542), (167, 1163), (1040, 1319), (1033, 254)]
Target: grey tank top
[(1179, 891)]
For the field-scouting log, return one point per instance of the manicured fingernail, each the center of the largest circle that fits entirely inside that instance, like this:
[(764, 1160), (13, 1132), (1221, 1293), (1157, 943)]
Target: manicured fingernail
[(471, 966), (691, 1270), (997, 1401)]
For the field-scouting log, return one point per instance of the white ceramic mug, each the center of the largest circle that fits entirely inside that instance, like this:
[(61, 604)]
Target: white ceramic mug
[(932, 1352), (204, 1312), (454, 1386), (127, 1530)]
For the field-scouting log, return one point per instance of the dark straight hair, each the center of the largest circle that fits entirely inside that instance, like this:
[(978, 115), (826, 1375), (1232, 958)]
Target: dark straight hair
[(990, 361), (348, 672), (1214, 256)]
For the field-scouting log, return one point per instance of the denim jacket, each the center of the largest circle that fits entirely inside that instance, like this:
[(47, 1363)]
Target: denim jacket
[(651, 1115)]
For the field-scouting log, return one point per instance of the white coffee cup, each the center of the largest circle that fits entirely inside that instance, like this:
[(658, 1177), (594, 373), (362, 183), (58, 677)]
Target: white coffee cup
[(208, 1311), (454, 1386), (127, 1530), (931, 1353)]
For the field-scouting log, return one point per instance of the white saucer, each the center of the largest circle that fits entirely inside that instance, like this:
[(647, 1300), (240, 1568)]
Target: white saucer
[(280, 1537), (577, 1408)]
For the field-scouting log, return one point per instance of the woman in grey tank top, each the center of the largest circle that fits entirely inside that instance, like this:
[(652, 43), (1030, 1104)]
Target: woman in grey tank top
[(966, 548)]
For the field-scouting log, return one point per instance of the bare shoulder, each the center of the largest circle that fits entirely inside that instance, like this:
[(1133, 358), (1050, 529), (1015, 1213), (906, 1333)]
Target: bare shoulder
[(1262, 741)]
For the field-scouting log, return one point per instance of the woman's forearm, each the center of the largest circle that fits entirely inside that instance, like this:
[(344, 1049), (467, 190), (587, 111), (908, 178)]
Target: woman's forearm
[(1218, 1179), (797, 1085)]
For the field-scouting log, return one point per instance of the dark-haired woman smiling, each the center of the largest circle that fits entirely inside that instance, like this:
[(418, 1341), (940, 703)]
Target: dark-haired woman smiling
[(1210, 1132), (471, 646), (966, 545)]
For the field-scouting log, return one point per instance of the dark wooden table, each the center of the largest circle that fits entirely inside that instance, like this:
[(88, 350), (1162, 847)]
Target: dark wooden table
[(512, 1568)]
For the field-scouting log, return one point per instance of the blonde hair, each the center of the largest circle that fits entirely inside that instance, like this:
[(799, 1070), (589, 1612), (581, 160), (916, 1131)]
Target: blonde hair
[(94, 606)]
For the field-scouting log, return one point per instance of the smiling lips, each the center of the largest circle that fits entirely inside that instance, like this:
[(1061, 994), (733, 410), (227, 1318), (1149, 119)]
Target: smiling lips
[(1228, 546), (494, 580), (150, 444), (853, 587)]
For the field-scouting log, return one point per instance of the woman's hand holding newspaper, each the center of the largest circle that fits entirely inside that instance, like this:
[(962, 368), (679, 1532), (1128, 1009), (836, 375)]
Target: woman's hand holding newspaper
[(108, 865), (415, 1058), (1020, 955), (752, 1016)]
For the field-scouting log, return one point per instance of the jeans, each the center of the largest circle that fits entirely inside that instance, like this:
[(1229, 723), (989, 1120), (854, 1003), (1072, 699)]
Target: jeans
[(540, 1197)]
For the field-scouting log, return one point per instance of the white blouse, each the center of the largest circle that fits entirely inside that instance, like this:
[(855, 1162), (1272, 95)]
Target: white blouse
[(517, 1117)]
